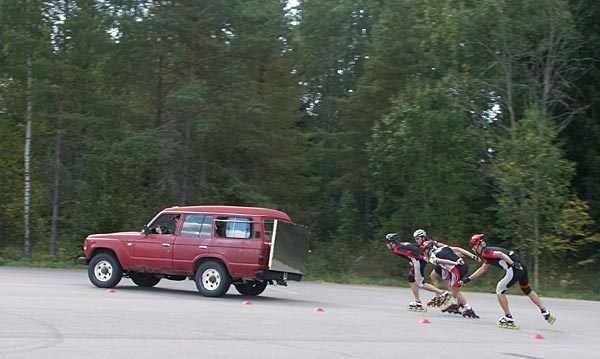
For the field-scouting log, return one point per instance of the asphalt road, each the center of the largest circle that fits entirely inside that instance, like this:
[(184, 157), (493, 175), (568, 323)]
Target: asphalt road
[(59, 314)]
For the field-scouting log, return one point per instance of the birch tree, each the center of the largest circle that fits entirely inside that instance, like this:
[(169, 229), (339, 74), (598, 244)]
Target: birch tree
[(20, 43)]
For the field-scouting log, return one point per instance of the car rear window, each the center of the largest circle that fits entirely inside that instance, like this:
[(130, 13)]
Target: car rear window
[(233, 227)]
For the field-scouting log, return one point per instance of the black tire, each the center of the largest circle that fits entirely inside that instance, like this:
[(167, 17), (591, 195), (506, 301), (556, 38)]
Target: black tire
[(144, 279), (251, 288), (105, 270), (212, 279)]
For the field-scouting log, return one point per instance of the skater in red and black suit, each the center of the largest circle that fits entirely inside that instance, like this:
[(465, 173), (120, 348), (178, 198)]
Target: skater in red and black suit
[(436, 273), (452, 270), (416, 277), (516, 271)]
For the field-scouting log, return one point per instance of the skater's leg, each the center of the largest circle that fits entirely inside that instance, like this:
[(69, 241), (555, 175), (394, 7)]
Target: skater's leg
[(536, 299), (415, 290), (526, 288), (433, 289), (462, 300), (502, 287), (458, 295), (503, 303), (435, 278), (545, 312)]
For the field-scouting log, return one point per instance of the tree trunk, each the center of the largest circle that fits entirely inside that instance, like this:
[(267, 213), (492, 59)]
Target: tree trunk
[(186, 163), (188, 130), (160, 100), (58, 147), (536, 233), (57, 168), (27, 180)]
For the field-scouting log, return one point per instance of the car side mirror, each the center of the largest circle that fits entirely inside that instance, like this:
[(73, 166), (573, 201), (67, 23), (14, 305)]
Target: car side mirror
[(146, 231)]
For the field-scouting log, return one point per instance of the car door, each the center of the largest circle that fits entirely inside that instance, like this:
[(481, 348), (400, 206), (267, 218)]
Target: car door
[(154, 253), (192, 242)]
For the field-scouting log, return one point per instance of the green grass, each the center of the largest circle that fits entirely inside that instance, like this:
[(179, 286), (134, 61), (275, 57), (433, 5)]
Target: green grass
[(486, 287), (44, 263)]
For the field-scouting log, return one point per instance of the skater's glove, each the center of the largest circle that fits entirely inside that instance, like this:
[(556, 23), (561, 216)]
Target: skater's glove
[(475, 258), (464, 281), (460, 262), (516, 265)]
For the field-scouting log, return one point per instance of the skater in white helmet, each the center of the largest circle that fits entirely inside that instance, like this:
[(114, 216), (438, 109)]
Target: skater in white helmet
[(416, 278), (452, 269)]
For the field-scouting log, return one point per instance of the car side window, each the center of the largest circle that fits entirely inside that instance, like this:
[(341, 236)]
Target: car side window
[(233, 227), (165, 224), (196, 226)]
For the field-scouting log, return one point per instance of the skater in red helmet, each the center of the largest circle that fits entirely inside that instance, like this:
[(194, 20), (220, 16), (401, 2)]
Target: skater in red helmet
[(515, 271)]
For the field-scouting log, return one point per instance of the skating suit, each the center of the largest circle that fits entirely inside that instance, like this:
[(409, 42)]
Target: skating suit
[(512, 274), (411, 252), (448, 271)]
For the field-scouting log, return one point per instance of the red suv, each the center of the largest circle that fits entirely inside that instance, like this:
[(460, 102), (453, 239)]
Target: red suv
[(215, 246)]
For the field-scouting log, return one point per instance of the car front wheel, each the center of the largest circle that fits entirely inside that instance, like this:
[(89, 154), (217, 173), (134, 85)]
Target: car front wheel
[(105, 271)]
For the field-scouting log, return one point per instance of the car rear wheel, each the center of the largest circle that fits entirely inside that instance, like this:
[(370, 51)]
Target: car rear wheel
[(105, 271), (145, 280), (212, 279), (251, 288)]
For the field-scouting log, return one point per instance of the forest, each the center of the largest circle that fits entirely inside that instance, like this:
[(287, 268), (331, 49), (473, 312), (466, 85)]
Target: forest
[(356, 117)]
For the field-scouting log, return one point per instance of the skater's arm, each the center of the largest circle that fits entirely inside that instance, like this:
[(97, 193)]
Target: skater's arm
[(465, 252), (504, 257), (479, 272), (434, 260), (446, 261), (508, 260)]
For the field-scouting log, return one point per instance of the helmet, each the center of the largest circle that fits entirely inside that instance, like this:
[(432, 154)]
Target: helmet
[(429, 245), (391, 237), (476, 239), (419, 233)]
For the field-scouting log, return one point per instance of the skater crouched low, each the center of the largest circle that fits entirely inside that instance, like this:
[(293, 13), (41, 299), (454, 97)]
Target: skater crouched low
[(516, 271), (420, 237), (452, 269), (416, 277)]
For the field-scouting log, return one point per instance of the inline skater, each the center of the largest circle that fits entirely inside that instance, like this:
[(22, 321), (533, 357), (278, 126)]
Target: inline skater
[(420, 237), (516, 271), (453, 269), (416, 274)]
